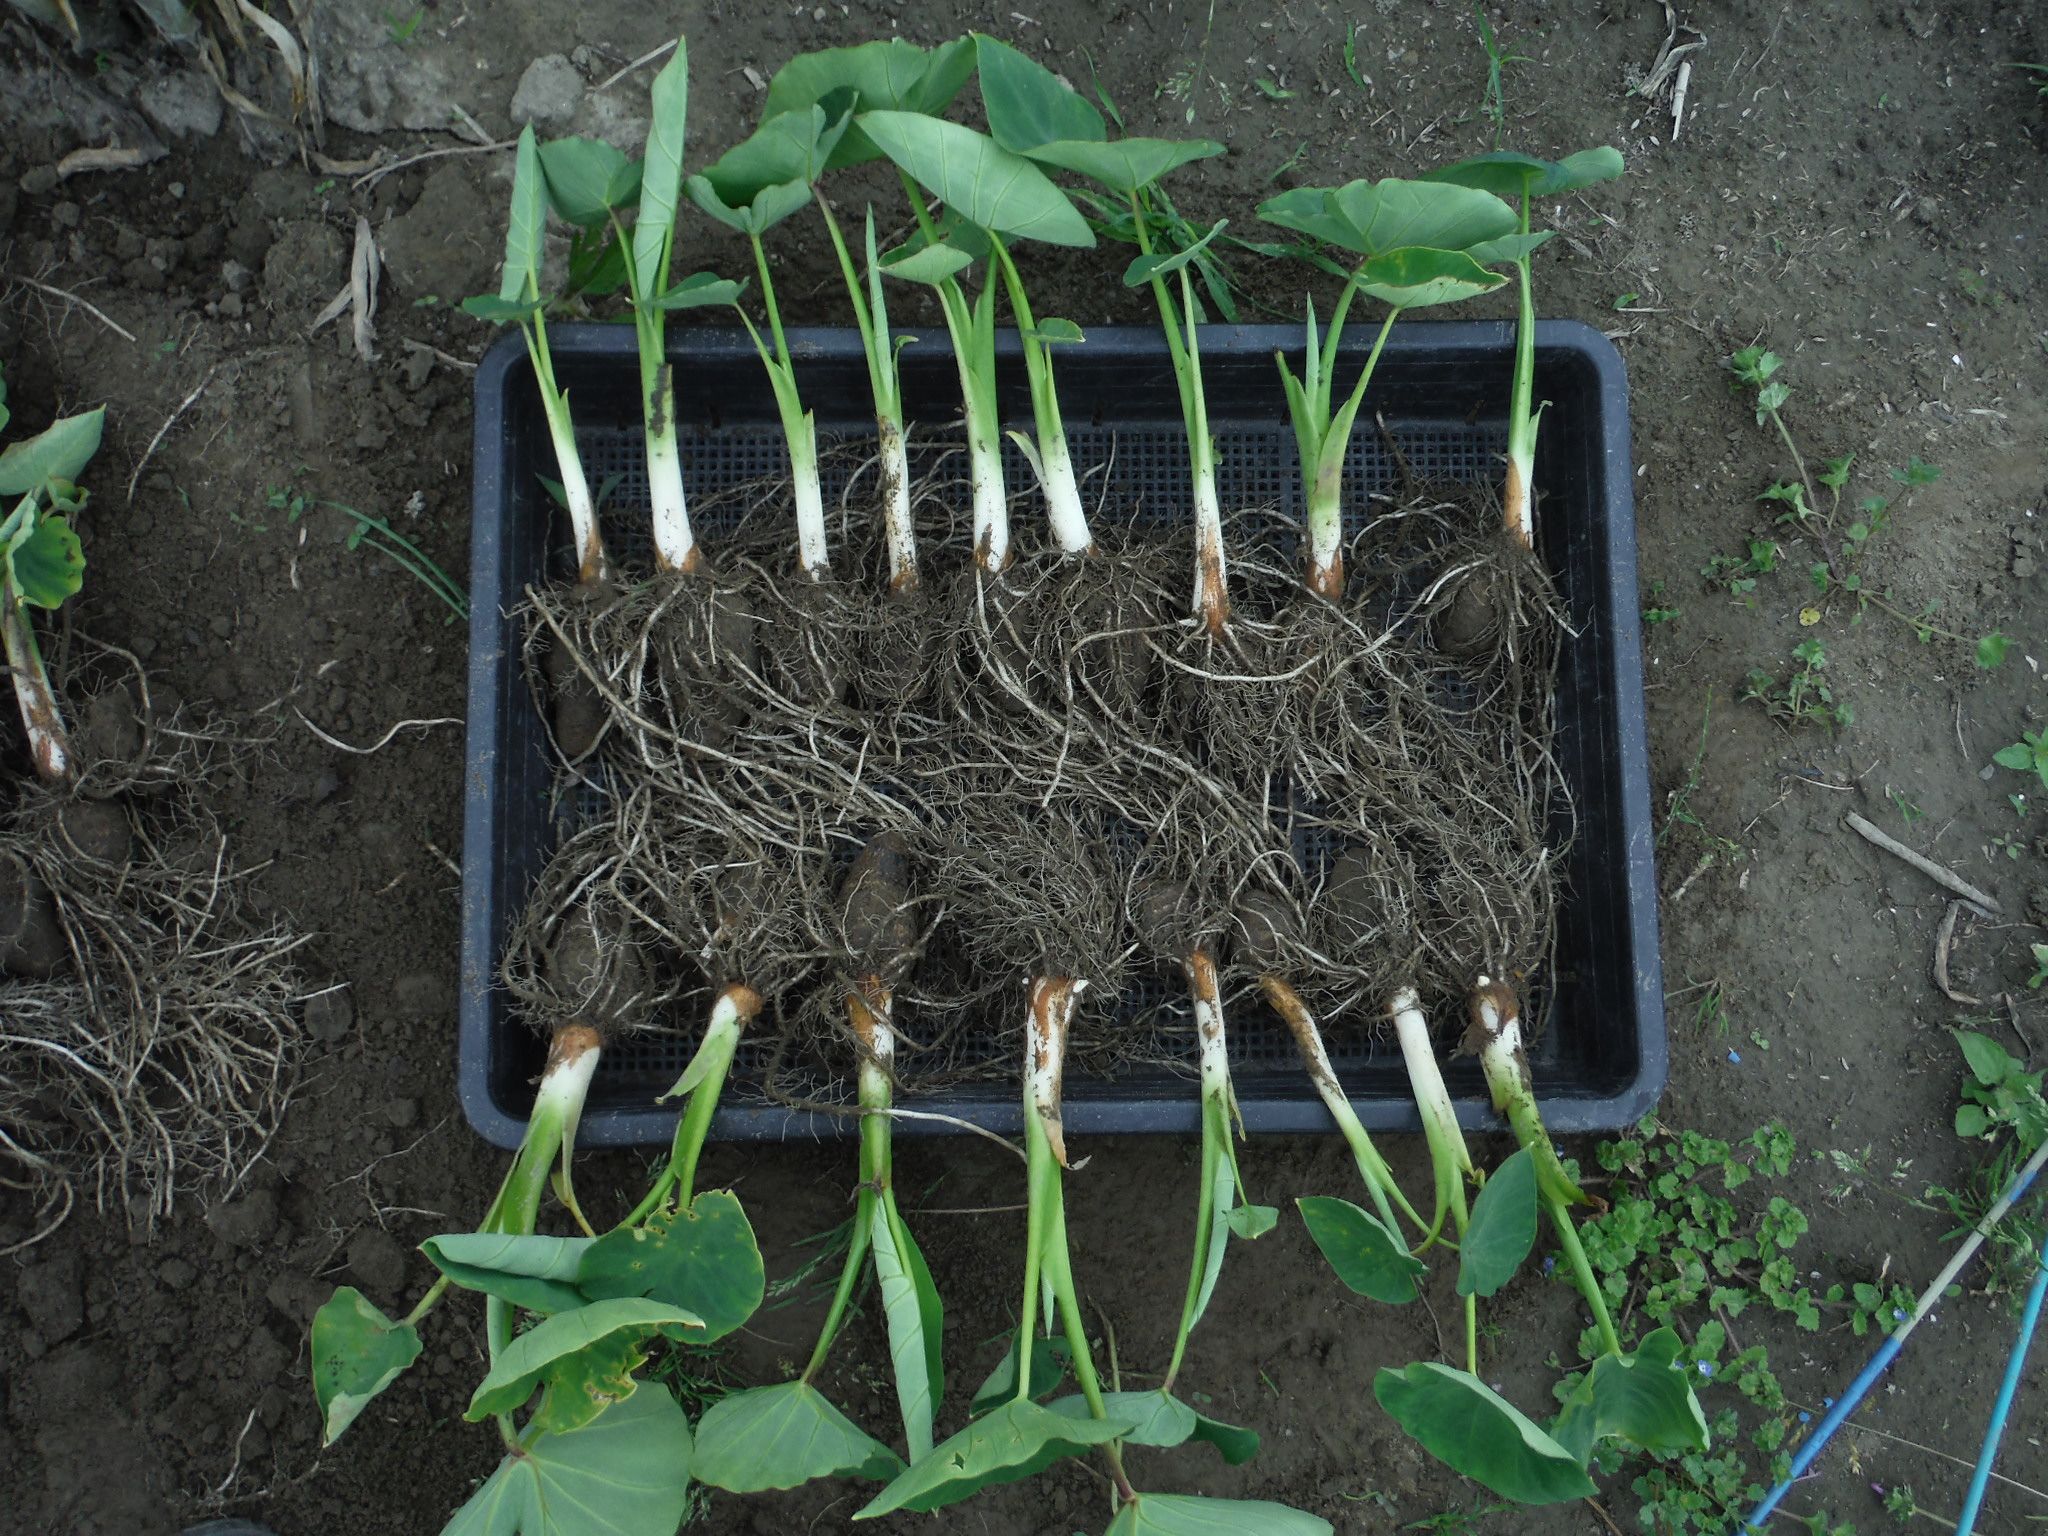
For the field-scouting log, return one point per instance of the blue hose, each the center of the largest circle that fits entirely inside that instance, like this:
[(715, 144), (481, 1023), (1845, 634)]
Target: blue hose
[(2015, 1363)]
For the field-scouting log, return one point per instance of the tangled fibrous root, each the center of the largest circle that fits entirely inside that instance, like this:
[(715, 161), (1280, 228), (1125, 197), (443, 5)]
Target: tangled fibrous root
[(148, 1036), (1354, 795)]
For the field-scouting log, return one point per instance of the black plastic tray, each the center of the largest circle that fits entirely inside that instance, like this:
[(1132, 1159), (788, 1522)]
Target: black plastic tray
[(1442, 389)]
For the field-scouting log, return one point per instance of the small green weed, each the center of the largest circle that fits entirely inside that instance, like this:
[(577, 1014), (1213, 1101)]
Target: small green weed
[(380, 536), (1659, 611), (2002, 1107), (2027, 755), (400, 28), (1804, 697), (1494, 106), (1738, 573)]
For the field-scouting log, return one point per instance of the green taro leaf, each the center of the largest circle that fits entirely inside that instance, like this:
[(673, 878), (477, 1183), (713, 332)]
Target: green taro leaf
[(587, 179), (1051, 331), (1506, 174), (1164, 263), (536, 1273), (1503, 1228), (916, 1321), (1494, 253), (627, 1473), (1126, 165), (1392, 214), (932, 263), (661, 178), (1415, 278), (1162, 1420), (1644, 1398), (525, 225), (549, 1349), (1185, 1514), (43, 562), (770, 206), (975, 176), (698, 290), (703, 1260), (494, 310), (1250, 1221), (1474, 1431), (791, 147), (357, 1353), (1308, 211), (1578, 170), (893, 75), (1367, 1257), (59, 452), (783, 1436), (1028, 105), (1018, 1440), (582, 1385), (1049, 1361)]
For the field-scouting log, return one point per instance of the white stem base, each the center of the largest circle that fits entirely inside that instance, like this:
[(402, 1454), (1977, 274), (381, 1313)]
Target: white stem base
[(675, 546), (991, 501), (1063, 508), (896, 522), (811, 552)]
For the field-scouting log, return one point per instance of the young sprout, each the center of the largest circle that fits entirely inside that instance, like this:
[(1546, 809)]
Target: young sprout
[(891, 75), (782, 1435), (755, 185), (589, 184), (1525, 178), (1033, 113), (41, 564), (1418, 243), (520, 301), (1644, 1398), (989, 193)]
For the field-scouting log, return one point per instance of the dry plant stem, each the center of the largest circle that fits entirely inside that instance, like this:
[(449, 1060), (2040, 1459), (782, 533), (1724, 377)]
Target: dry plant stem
[(1939, 874), (1308, 1038), (49, 744)]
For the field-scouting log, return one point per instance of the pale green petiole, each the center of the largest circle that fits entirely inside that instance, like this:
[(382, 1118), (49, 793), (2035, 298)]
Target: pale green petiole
[(1372, 1168), (1447, 1152), (1324, 439), (799, 427), (1049, 456), (1523, 418), (1496, 1028), (704, 1081), (871, 314), (592, 563)]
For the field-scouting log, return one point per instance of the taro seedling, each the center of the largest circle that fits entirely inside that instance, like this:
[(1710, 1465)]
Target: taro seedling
[(41, 565), (754, 186), (889, 75), (1033, 113), (1524, 178), (990, 195), (520, 302), (589, 183), (1421, 244), (782, 1435), (1643, 1398)]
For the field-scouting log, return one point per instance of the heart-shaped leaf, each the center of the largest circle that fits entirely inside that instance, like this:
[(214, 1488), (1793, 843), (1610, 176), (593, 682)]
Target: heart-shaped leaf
[(974, 175), (1415, 278), (495, 310), (1308, 210), (770, 206), (700, 289), (1644, 1398), (1053, 331), (789, 147), (1475, 1431), (1506, 174), (1018, 1440), (525, 225), (1367, 1257), (891, 75), (59, 452), (1028, 105), (916, 1323), (1249, 1221), (783, 1436), (1127, 164), (929, 263), (587, 179), (536, 1273), (1503, 1228), (1494, 253), (1162, 1420), (626, 1473), (550, 1347), (357, 1353), (703, 1260), (1186, 1514), (44, 562), (661, 180), (1049, 1361), (1392, 213)]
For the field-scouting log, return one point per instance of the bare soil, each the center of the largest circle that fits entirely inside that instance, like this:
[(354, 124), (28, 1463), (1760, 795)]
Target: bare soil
[(1861, 184)]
